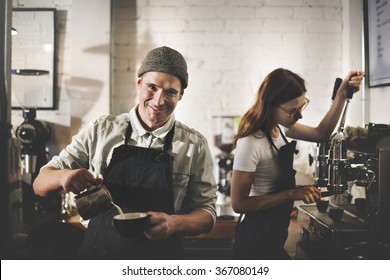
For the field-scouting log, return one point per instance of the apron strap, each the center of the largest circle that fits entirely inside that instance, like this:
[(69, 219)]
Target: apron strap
[(272, 142), (129, 131), (284, 138), (168, 138)]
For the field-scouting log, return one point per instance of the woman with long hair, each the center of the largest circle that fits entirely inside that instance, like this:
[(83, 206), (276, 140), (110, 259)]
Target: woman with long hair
[(263, 181)]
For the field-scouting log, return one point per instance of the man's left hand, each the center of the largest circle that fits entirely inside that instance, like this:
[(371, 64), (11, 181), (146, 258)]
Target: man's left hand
[(161, 226)]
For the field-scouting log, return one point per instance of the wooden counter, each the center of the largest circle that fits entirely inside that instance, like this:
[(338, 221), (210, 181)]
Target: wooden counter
[(216, 244), (222, 230)]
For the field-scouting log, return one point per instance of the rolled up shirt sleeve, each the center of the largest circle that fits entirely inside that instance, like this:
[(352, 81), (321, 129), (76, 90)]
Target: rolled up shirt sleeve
[(92, 147), (77, 153)]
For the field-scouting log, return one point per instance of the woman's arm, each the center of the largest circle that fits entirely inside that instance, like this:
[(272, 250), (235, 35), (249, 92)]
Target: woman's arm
[(327, 125), (242, 202)]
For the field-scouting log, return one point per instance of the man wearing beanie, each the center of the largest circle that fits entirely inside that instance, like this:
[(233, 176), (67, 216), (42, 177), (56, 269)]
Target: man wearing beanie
[(148, 161)]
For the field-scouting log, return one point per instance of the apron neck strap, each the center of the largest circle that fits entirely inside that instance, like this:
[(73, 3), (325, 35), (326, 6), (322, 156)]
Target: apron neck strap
[(129, 131), (168, 138), (284, 137), (272, 142)]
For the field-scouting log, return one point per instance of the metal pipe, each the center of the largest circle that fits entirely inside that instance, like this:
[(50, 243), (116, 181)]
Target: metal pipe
[(363, 86)]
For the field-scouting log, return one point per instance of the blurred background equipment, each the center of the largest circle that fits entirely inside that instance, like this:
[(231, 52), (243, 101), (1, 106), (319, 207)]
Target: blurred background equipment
[(225, 128)]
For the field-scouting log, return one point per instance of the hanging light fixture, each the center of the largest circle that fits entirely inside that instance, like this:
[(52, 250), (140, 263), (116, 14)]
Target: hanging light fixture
[(14, 31)]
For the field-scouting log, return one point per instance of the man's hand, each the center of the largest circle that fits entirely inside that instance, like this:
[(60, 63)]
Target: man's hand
[(162, 225), (78, 180)]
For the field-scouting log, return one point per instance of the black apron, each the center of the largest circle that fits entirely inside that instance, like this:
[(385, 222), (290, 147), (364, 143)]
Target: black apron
[(262, 234), (139, 180)]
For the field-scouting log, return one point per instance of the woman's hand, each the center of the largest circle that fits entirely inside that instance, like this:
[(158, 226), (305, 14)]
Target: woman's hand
[(308, 194), (352, 80)]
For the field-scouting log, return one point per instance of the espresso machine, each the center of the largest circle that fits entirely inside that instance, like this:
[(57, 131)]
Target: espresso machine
[(225, 129), (353, 173)]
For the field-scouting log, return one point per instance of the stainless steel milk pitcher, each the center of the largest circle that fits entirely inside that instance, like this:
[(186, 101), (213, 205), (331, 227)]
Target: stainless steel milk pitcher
[(93, 201)]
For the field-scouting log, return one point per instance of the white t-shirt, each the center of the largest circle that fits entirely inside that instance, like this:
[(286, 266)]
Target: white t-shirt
[(255, 154)]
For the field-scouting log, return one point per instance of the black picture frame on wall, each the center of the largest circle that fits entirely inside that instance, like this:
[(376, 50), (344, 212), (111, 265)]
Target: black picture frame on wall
[(377, 42), (34, 65)]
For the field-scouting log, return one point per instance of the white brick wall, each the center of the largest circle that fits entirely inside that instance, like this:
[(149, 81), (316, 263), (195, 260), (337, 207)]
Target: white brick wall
[(230, 46)]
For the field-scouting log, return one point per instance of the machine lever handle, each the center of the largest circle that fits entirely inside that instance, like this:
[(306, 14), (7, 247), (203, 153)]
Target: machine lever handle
[(351, 90), (337, 84)]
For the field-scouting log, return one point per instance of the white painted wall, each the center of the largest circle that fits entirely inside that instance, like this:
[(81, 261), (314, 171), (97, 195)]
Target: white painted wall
[(89, 82)]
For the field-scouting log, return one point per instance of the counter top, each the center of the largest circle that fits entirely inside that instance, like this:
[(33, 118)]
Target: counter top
[(217, 244), (222, 230), (348, 223)]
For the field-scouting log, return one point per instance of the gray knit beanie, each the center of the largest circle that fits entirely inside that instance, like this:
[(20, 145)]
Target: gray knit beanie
[(167, 60)]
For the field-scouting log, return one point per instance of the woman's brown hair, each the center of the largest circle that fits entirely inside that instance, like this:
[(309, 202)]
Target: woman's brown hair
[(280, 86)]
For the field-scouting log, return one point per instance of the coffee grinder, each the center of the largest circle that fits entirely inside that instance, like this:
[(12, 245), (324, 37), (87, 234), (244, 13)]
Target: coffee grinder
[(225, 130), (29, 86)]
